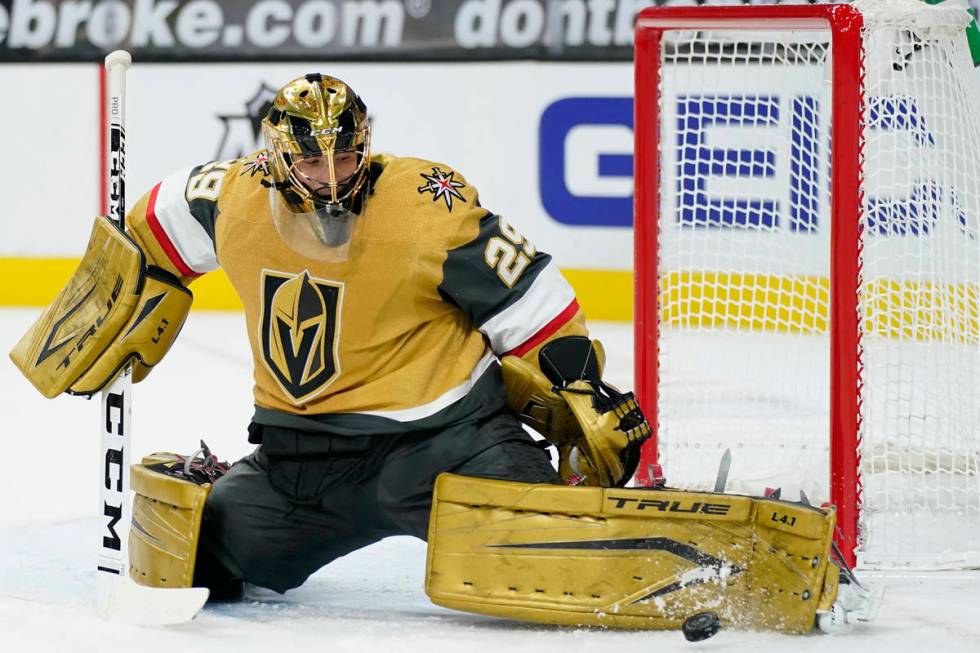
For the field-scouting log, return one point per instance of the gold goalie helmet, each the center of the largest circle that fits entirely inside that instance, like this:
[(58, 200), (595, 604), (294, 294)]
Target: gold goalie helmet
[(319, 141)]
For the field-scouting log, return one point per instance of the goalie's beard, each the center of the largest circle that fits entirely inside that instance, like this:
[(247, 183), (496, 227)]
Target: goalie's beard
[(334, 220), (334, 224)]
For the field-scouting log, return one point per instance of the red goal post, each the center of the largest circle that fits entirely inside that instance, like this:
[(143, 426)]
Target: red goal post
[(721, 108)]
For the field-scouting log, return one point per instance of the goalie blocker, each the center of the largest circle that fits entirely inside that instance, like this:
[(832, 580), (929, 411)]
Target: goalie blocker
[(114, 309)]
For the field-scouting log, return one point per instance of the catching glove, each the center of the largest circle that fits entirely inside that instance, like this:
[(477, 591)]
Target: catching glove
[(597, 429)]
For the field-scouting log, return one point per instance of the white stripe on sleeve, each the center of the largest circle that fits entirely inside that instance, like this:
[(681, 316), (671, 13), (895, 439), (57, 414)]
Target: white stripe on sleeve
[(187, 235), (548, 296)]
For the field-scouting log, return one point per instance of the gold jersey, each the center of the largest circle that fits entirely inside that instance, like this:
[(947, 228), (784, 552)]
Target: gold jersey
[(405, 332)]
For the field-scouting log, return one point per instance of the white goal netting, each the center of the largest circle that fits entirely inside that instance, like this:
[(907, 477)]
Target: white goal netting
[(744, 264)]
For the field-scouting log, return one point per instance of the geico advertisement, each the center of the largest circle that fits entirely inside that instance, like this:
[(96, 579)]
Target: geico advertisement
[(745, 165), (745, 162)]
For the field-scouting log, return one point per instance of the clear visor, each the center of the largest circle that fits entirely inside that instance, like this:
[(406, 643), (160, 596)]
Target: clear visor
[(323, 233)]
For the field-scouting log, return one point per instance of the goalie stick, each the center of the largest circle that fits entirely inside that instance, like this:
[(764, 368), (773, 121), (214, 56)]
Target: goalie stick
[(117, 597)]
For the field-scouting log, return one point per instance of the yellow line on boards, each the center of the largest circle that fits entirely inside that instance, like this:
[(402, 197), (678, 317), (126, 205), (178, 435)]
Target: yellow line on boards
[(602, 294), (36, 282), (33, 281), (902, 309)]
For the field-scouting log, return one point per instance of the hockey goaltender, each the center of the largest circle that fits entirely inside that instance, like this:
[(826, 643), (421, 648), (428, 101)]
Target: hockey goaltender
[(401, 332)]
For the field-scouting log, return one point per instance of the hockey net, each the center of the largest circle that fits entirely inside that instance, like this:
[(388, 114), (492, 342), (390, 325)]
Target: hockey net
[(808, 264)]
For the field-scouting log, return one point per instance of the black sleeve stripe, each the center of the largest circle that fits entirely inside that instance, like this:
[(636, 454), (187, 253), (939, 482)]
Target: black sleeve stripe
[(477, 287)]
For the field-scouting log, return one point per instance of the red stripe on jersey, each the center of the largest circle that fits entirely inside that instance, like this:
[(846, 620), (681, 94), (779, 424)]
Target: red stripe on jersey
[(546, 331), (163, 239)]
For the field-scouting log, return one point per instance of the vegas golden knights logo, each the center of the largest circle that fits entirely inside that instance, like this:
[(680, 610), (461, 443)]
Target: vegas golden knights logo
[(299, 328)]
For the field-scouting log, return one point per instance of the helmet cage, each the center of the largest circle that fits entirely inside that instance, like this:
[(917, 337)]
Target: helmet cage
[(305, 193)]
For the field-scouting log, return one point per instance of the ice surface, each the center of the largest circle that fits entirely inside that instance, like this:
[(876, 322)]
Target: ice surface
[(371, 600)]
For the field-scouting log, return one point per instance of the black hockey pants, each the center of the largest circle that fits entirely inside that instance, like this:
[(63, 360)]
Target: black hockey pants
[(303, 499)]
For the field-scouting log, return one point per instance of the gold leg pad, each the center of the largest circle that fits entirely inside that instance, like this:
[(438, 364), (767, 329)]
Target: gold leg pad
[(625, 558), (167, 514)]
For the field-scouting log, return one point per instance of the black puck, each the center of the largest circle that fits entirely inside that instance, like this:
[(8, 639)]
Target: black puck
[(701, 626)]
